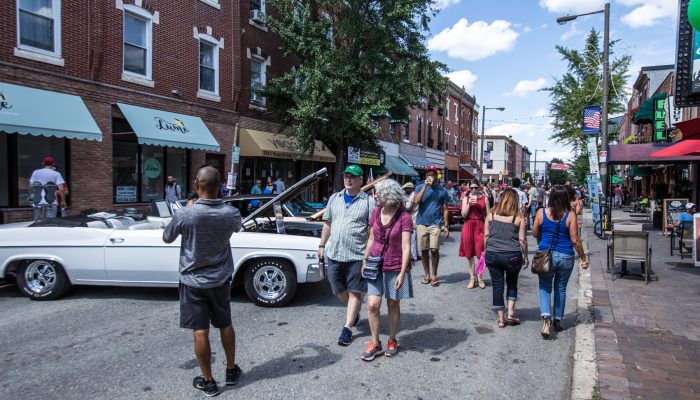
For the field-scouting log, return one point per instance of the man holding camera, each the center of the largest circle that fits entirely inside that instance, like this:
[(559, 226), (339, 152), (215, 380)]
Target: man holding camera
[(432, 199)]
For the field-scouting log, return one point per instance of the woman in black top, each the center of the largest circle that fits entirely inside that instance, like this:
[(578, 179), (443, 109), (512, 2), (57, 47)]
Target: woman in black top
[(505, 240)]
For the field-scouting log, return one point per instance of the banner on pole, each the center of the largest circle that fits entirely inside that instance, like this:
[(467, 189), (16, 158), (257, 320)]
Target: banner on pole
[(593, 164), (591, 120)]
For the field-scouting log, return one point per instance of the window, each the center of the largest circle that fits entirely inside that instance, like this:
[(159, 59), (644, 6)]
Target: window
[(257, 80), (489, 146), (39, 25), (405, 127), (257, 5), (447, 140), (420, 128), (208, 65), (462, 150), (447, 109), (430, 133), (392, 128), (20, 155), (139, 172), (456, 112), (137, 41)]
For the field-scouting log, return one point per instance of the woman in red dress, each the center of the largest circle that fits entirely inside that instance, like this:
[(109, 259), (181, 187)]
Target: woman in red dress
[(474, 210)]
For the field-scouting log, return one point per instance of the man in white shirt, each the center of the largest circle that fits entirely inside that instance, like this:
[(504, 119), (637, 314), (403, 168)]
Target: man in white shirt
[(43, 176), (521, 195)]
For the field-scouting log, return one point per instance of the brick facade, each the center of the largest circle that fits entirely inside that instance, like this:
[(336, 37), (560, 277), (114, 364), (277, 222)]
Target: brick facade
[(92, 51)]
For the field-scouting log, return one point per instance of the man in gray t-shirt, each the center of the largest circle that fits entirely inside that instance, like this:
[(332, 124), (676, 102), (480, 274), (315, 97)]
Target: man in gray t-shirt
[(206, 268)]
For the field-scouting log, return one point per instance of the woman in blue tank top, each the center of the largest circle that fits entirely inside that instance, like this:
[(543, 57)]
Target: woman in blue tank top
[(556, 228)]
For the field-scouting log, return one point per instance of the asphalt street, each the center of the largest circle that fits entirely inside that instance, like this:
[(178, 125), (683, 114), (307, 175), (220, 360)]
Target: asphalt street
[(125, 343)]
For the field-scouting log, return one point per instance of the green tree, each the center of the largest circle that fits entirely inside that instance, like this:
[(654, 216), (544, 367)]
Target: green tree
[(581, 86), (358, 59), (580, 168), (555, 176)]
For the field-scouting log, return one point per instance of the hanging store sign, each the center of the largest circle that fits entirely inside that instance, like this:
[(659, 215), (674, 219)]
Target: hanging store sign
[(364, 157)]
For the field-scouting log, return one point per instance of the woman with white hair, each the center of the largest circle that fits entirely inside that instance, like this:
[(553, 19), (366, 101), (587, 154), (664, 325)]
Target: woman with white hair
[(386, 264)]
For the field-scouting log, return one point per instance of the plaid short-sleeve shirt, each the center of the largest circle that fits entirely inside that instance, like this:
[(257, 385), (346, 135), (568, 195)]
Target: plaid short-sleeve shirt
[(349, 226)]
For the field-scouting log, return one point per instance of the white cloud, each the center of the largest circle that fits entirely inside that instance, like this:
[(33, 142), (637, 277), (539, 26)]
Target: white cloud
[(527, 29), (648, 12), (572, 6), (542, 112), (534, 136), (524, 87), (571, 32), (443, 4), (476, 41), (543, 26), (463, 78)]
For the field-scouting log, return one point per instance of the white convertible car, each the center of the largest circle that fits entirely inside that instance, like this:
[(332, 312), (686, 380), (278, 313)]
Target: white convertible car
[(47, 257)]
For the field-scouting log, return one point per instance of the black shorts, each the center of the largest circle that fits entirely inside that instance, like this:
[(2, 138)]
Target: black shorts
[(345, 276), (199, 306)]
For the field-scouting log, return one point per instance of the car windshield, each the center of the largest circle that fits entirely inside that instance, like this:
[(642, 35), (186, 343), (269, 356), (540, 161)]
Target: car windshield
[(299, 208)]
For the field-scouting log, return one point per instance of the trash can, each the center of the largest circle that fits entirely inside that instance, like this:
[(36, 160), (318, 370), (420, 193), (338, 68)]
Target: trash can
[(657, 219)]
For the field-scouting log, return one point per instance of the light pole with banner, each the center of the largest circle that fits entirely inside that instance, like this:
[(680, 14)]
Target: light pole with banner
[(604, 106), (483, 122)]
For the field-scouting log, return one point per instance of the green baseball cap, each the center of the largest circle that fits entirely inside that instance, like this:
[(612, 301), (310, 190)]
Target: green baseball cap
[(354, 170)]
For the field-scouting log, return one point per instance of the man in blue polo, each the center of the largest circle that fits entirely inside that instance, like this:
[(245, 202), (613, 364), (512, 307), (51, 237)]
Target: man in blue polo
[(343, 241), (432, 199)]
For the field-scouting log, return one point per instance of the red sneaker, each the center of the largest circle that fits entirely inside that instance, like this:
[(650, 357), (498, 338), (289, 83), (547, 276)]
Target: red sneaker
[(392, 349)]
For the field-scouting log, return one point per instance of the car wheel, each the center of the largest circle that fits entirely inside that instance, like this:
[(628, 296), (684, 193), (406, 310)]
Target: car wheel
[(42, 280), (270, 282)]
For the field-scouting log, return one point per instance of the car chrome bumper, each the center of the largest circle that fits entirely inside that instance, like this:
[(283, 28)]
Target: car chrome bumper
[(315, 273)]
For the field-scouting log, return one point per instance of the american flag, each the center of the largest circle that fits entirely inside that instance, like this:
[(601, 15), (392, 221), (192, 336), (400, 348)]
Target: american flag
[(591, 119)]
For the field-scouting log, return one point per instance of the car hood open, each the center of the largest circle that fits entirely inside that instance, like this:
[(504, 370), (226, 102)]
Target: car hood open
[(291, 192)]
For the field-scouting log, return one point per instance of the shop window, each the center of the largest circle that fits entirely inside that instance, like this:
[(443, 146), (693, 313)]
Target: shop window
[(137, 41), (208, 65), (4, 173), (257, 80), (140, 171), (39, 26), (31, 151)]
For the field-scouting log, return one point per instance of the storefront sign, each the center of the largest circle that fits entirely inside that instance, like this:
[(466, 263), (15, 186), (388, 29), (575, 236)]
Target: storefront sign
[(151, 168), (176, 126), (559, 167), (4, 104), (364, 157), (126, 194)]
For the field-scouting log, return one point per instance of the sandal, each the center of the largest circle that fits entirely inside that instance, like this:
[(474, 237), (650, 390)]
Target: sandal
[(513, 321), (435, 283), (470, 285), (501, 324), (425, 281)]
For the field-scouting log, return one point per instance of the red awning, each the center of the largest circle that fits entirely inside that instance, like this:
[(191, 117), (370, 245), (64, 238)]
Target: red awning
[(686, 147), (689, 127), (465, 173), (641, 154)]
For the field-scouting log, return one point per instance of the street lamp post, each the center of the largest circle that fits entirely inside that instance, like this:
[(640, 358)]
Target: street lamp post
[(604, 106), (483, 123), (542, 151)]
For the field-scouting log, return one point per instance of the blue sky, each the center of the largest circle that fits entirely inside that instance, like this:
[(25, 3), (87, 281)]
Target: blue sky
[(502, 51)]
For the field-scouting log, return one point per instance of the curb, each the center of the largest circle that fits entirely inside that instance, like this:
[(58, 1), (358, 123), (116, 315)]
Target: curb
[(585, 371)]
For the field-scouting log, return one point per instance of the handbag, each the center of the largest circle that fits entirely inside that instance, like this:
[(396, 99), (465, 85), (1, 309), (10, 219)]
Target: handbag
[(373, 264), (481, 266), (542, 261)]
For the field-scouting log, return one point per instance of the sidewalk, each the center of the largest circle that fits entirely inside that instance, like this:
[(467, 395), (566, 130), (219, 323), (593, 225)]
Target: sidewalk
[(647, 336)]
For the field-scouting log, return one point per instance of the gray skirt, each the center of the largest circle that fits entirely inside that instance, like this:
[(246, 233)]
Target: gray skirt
[(385, 285)]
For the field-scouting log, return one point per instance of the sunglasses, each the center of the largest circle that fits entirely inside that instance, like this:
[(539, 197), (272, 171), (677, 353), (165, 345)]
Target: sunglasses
[(474, 187)]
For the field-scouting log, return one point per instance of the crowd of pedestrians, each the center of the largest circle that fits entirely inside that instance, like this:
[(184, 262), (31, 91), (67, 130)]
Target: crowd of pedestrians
[(369, 244)]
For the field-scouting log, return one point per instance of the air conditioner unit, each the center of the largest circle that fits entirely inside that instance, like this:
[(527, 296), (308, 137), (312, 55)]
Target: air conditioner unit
[(257, 16)]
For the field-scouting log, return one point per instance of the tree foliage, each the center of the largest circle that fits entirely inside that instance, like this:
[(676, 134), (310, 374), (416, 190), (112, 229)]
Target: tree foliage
[(580, 169), (581, 86), (358, 59), (557, 177)]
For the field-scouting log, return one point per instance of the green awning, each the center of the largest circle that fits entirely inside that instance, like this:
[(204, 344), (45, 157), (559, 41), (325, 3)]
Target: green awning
[(163, 128), (398, 166), (37, 112), (640, 171), (615, 179), (645, 114)]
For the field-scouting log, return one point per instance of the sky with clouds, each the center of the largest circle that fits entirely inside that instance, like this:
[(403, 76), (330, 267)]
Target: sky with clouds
[(503, 52)]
